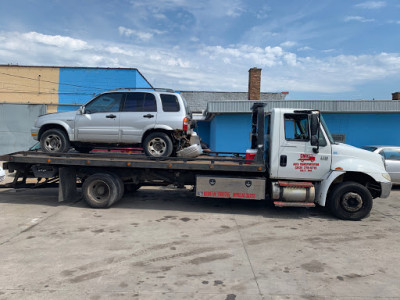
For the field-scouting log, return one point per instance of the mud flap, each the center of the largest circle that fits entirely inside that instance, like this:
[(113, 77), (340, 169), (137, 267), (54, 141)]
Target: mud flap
[(67, 184)]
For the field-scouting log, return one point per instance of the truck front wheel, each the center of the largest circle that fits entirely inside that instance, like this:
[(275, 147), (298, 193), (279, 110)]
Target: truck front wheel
[(101, 190), (350, 201)]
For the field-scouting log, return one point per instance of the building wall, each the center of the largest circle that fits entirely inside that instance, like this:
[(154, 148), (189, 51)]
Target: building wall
[(203, 131), (63, 85), (366, 129), (16, 121), (29, 85), (79, 85), (231, 132)]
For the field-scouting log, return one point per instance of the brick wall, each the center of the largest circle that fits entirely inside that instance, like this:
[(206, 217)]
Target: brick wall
[(254, 84)]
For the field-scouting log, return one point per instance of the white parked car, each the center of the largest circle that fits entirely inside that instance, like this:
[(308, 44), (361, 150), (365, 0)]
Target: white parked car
[(2, 174), (391, 154), (158, 120)]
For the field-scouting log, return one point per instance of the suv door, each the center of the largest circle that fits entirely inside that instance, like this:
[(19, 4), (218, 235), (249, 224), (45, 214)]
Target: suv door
[(100, 121), (139, 113)]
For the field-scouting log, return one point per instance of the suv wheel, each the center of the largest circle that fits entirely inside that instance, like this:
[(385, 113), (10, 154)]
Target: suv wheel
[(158, 144), (54, 141)]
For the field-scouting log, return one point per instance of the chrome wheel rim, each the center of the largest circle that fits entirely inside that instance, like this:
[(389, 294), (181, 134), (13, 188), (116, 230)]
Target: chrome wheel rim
[(157, 147), (352, 202), (53, 143)]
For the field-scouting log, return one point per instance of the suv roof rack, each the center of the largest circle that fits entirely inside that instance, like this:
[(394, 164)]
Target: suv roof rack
[(154, 89)]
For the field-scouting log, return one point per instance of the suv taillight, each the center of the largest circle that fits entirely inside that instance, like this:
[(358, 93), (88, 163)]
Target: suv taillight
[(185, 125)]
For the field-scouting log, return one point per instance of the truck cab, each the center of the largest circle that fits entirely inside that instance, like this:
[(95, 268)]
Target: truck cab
[(307, 167)]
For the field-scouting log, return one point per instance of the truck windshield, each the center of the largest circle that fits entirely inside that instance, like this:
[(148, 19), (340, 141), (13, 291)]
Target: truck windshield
[(327, 131)]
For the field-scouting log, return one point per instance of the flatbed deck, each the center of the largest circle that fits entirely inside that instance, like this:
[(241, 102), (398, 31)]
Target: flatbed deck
[(113, 160)]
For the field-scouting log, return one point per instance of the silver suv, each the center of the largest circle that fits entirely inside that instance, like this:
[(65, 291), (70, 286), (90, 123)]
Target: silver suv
[(158, 120)]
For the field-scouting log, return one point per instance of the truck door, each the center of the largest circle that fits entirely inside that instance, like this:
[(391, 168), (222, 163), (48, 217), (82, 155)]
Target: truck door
[(100, 120), (297, 160)]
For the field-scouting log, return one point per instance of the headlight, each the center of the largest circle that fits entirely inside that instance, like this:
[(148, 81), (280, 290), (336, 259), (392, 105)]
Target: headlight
[(386, 176)]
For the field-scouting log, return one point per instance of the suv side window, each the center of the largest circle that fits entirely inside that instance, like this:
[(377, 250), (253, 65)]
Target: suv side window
[(138, 102), (105, 103), (170, 103)]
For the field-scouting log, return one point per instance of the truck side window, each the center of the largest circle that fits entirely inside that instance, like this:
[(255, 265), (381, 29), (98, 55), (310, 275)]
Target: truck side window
[(138, 102), (105, 103), (296, 127), (169, 103)]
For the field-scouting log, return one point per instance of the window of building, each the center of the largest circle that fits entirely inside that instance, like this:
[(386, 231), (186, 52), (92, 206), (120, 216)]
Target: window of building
[(339, 138)]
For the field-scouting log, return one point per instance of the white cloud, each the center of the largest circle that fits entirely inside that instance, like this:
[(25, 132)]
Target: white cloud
[(55, 40), (207, 68), (358, 19), (288, 44), (306, 48), (328, 50), (142, 35), (371, 4)]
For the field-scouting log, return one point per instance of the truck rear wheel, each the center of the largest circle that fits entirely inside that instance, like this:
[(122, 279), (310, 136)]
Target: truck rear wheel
[(350, 201), (101, 190)]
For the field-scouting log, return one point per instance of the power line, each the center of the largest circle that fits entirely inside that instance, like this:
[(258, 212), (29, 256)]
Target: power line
[(18, 84), (58, 83), (45, 93)]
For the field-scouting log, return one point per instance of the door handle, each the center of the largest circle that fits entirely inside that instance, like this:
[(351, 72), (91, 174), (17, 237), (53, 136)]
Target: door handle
[(149, 116), (111, 116), (283, 161)]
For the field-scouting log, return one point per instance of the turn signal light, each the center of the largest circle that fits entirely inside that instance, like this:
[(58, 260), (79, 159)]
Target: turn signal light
[(185, 124)]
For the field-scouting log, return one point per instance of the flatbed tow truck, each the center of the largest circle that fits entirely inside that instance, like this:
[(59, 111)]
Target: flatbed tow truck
[(296, 164)]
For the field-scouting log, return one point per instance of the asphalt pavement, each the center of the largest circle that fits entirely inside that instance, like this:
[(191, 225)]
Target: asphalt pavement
[(163, 243)]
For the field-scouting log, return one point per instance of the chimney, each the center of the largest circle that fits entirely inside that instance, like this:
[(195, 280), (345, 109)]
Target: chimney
[(254, 84), (396, 96)]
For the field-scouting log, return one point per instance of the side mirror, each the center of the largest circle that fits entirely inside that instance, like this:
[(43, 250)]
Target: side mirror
[(314, 140), (314, 124), (82, 110)]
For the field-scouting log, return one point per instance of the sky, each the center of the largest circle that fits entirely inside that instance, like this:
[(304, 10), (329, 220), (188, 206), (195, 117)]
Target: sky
[(314, 49)]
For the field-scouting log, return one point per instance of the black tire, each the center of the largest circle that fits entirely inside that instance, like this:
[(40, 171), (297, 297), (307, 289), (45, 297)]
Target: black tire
[(158, 144), (101, 190), (350, 201), (120, 185), (54, 141), (83, 149)]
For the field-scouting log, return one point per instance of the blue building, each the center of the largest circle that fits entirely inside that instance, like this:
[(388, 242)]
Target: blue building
[(78, 85), (227, 125)]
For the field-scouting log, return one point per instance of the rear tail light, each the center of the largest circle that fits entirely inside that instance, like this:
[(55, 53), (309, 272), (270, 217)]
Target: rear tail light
[(185, 126)]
